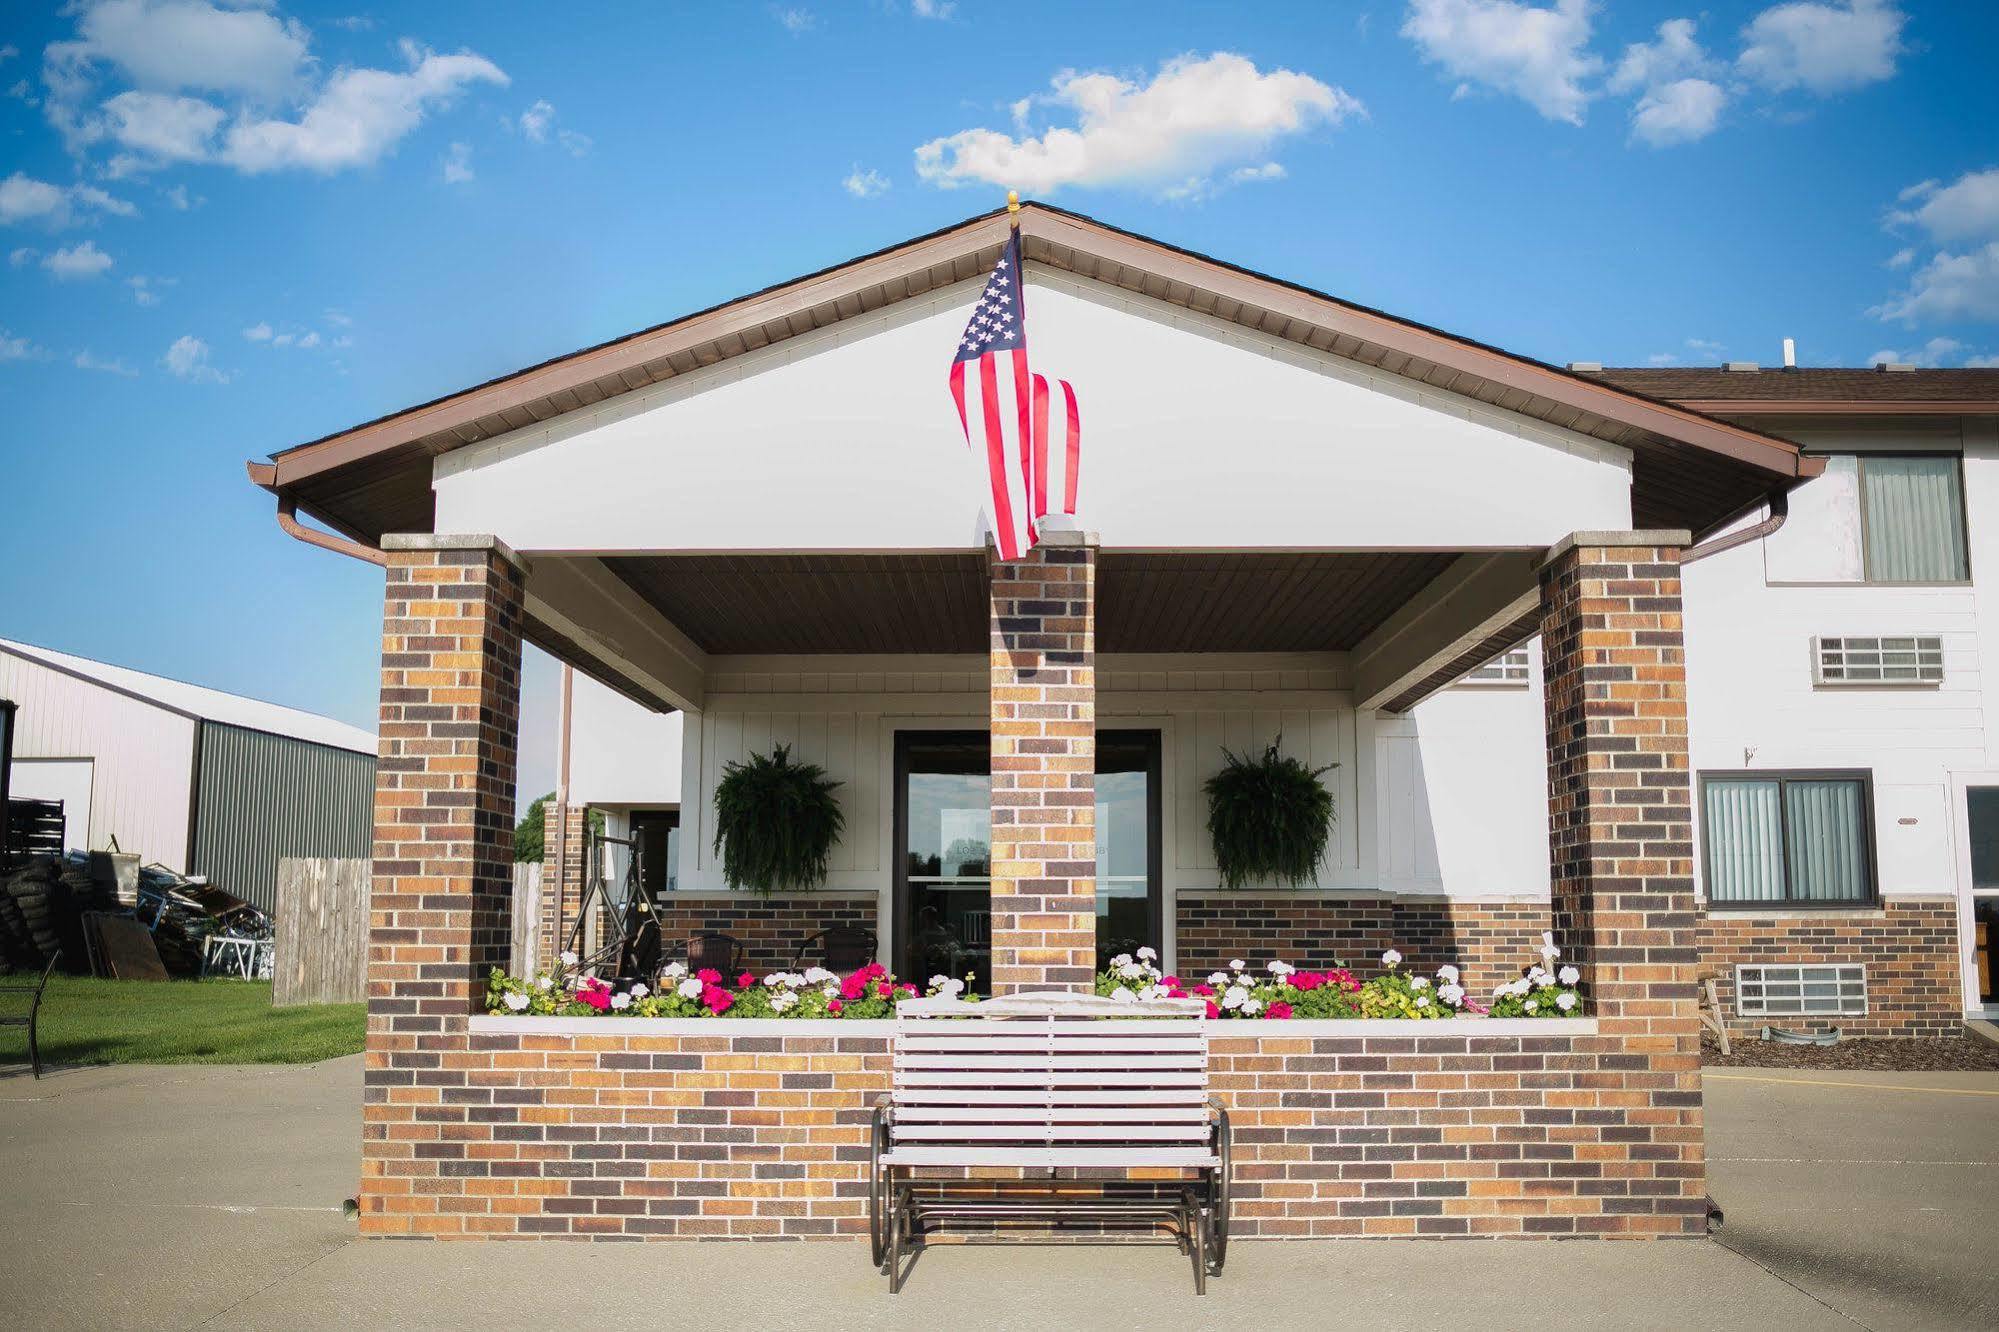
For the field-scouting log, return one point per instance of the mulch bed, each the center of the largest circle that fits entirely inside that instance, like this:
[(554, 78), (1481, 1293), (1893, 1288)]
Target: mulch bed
[(1947, 1055)]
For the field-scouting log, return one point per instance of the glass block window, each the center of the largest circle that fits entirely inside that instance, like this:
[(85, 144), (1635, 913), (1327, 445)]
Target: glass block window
[(1508, 668), (1830, 990), (1913, 660)]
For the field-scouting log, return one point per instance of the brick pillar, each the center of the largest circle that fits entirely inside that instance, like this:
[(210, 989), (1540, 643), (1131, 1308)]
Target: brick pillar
[(443, 871), (561, 896), (1621, 839), (1044, 761)]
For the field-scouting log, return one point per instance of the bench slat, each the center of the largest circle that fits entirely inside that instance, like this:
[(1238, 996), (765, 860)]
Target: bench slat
[(1051, 1133), (979, 1094), (1190, 1112), (1054, 1157), (1004, 1078), (1050, 1062), (928, 1042)]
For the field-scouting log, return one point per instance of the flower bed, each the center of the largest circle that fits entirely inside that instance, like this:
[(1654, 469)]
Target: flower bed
[(1280, 992)]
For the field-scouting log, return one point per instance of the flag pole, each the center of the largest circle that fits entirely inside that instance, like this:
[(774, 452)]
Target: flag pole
[(1013, 209)]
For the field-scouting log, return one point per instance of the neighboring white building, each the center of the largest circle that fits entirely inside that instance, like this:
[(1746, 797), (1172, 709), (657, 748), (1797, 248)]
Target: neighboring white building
[(197, 780)]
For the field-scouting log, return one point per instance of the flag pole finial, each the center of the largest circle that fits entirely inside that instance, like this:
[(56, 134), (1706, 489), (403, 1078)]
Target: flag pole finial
[(1013, 208)]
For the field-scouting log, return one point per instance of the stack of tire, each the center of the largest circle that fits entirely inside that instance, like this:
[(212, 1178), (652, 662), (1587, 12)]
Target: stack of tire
[(42, 902)]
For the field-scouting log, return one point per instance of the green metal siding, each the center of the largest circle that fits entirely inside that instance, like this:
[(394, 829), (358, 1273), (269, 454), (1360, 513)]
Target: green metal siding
[(261, 797)]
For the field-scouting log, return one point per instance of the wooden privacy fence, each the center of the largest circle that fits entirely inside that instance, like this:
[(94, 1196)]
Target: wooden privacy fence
[(321, 951)]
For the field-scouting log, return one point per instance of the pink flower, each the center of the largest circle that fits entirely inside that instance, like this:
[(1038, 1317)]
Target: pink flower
[(1170, 982), (855, 986), (717, 999), (833, 1006), (745, 981), (709, 976), (883, 990), (598, 998), (1306, 980), (1204, 990), (1213, 1010), (1278, 1009)]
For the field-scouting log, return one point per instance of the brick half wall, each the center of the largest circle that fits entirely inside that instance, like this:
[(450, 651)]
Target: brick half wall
[(769, 928), (1909, 948)]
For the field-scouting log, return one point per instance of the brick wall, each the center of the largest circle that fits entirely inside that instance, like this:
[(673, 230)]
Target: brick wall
[(638, 1130), (1909, 947), (1044, 746), (770, 929), (442, 889), (561, 898), (1490, 942), (1621, 846)]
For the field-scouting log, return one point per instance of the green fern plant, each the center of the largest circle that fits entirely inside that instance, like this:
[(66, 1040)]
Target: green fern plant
[(1269, 818), (775, 823)]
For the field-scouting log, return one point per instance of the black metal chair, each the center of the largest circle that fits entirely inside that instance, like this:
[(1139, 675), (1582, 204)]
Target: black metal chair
[(841, 948), (719, 952), (34, 1011)]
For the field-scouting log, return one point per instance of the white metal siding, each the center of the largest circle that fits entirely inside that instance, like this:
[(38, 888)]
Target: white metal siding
[(143, 754)]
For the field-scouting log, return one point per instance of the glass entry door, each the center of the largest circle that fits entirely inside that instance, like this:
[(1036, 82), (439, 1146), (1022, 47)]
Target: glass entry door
[(943, 839), (1982, 826)]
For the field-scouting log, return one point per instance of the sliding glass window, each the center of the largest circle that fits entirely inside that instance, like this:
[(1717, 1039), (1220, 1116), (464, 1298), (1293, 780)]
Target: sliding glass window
[(1800, 839)]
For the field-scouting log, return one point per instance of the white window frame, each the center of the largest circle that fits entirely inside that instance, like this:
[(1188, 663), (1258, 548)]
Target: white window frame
[(1509, 670), (1760, 976)]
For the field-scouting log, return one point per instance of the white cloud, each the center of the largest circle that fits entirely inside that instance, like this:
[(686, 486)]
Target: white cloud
[(1903, 257), (1936, 352), (1823, 47), (354, 23), (234, 49), (1990, 362), (1539, 55), (1678, 112), (933, 9), (359, 115), (23, 199), (865, 184), (1966, 209), (536, 120), (18, 349), (458, 164), (258, 332), (575, 144), (795, 21), (1662, 359), (1950, 286), (84, 360), (146, 290), (78, 261), (1707, 347), (1675, 54), (1198, 115), (1250, 174), (8, 52), (161, 127), (22, 257), (187, 359)]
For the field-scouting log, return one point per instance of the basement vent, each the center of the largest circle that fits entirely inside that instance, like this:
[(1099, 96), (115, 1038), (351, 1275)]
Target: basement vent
[(1508, 668), (1832, 990), (1878, 661)]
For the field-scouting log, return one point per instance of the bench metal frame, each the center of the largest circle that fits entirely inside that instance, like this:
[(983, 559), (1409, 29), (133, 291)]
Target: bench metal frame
[(1057, 1084)]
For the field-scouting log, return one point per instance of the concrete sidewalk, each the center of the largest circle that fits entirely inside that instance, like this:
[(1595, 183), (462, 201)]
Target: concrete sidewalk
[(181, 1197)]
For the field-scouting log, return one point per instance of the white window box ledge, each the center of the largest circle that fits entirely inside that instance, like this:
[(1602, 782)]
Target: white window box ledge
[(489, 1024)]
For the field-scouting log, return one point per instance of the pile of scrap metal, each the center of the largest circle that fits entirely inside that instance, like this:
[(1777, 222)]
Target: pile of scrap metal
[(107, 914)]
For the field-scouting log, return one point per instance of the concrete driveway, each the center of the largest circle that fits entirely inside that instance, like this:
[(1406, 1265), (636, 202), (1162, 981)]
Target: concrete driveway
[(183, 1197)]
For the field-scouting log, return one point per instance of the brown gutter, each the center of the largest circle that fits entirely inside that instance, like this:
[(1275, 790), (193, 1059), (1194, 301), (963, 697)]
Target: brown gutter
[(1838, 407), (1780, 509), (265, 475)]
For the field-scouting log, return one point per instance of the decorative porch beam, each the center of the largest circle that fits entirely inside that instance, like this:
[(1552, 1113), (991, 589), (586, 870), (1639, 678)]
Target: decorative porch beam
[(1477, 596), (584, 602)]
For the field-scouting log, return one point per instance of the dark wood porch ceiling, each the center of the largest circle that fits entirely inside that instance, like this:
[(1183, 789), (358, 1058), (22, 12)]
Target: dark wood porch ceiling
[(754, 604)]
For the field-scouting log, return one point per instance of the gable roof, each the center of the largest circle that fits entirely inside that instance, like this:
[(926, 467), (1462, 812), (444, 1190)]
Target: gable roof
[(199, 702), (1809, 391), (1690, 470)]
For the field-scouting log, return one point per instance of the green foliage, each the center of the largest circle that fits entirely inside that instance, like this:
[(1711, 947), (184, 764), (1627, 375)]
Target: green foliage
[(1269, 818), (775, 823), (529, 848)]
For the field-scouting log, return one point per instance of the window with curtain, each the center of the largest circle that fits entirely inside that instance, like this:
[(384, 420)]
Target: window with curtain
[(1786, 839), (1912, 528)]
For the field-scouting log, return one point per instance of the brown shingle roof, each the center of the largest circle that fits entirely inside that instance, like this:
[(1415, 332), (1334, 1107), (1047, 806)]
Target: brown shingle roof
[(1713, 385)]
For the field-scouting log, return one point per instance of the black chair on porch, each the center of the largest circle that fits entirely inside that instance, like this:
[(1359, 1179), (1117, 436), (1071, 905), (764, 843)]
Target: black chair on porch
[(705, 952), (842, 948), (32, 1017)]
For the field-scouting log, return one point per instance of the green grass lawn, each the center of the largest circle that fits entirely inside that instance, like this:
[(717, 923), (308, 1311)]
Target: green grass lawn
[(89, 1021)]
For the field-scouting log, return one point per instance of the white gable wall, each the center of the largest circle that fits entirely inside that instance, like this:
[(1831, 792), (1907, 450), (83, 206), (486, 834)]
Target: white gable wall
[(1197, 434)]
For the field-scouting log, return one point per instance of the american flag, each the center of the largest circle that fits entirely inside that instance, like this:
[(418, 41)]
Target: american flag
[(1004, 409)]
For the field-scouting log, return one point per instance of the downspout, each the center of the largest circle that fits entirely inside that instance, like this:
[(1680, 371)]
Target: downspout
[(562, 810), (1780, 509), (265, 475)]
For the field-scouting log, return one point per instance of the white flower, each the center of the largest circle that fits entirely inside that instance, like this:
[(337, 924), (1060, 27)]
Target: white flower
[(568, 958), (830, 991), (1124, 996), (1236, 965), (1422, 1001), (1147, 955), (813, 975), (517, 1001), (1447, 974), (641, 990), (1121, 960), (1548, 950), (1234, 997), (1252, 1006), (1153, 992), (543, 982), (1533, 1004), (783, 1000), (1536, 976), (689, 988), (1569, 975), (1131, 971), (1281, 969), (1565, 1001), (621, 1001), (1418, 983), (1451, 994), (1218, 978), (674, 969), (946, 987), (1391, 958)]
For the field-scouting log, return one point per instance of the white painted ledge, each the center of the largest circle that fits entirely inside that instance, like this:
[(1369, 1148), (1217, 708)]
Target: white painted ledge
[(488, 1024)]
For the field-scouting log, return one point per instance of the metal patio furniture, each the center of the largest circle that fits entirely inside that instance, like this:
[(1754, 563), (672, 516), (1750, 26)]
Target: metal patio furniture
[(708, 951), (32, 1017), (841, 948), (1049, 1083)]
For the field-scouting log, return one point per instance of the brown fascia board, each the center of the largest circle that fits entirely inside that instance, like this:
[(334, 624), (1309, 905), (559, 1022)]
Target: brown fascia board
[(1841, 407), (1084, 235)]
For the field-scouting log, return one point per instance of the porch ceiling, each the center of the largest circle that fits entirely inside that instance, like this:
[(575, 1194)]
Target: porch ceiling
[(1253, 602)]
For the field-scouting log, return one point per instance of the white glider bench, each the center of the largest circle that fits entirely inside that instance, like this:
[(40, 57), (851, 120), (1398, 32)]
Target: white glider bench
[(1048, 1082)]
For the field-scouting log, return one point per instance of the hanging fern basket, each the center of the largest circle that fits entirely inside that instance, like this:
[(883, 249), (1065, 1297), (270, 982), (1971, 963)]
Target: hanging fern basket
[(775, 823), (1270, 819)]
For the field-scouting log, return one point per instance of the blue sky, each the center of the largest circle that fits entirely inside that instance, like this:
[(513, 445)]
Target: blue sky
[(232, 227)]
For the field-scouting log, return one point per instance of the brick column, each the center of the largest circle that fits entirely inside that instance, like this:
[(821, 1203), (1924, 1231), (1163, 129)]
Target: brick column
[(1621, 839), (561, 896), (1044, 764), (443, 871)]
